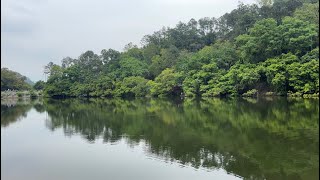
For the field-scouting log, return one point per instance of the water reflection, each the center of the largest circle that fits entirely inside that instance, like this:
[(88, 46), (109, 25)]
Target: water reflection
[(253, 139), (15, 109)]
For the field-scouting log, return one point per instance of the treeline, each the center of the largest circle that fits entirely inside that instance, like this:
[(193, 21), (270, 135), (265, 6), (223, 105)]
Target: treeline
[(11, 80), (271, 48)]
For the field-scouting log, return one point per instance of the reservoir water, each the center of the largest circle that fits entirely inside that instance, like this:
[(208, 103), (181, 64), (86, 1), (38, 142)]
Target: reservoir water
[(144, 139)]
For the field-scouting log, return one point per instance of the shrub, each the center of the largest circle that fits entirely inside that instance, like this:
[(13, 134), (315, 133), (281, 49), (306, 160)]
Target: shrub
[(33, 94), (20, 94), (270, 94), (251, 93), (296, 94)]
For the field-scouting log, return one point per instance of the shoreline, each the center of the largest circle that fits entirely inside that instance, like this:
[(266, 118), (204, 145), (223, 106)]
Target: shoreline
[(16, 97)]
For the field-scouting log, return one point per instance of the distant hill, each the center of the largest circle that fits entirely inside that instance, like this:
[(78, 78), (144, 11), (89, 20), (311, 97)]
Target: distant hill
[(14, 81), (28, 80)]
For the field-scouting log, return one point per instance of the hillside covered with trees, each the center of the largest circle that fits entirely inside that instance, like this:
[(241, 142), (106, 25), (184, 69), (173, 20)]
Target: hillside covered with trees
[(11, 80), (266, 48)]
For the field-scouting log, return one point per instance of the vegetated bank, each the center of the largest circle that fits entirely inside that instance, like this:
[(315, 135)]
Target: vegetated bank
[(14, 85), (265, 49)]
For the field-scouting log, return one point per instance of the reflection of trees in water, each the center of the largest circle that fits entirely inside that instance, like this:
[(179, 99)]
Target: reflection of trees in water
[(9, 102), (256, 140), (15, 109), (14, 113)]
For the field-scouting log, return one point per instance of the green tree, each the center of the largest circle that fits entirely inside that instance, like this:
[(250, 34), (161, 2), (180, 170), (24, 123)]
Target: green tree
[(109, 56), (130, 66), (262, 42), (238, 21), (166, 59), (166, 84), (276, 71), (308, 12), (132, 86), (39, 85), (298, 36), (104, 86)]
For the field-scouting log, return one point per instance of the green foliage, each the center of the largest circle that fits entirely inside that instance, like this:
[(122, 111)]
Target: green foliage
[(286, 73), (39, 85), (224, 54), (134, 52), (132, 67), (262, 42), (166, 59), (132, 86), (251, 93), (266, 39), (304, 77), (276, 72), (103, 87), (238, 21), (269, 94), (149, 52), (166, 84), (312, 55), (270, 47), (33, 94), (238, 80), (110, 56), (20, 94), (13, 81), (199, 82), (308, 12), (282, 8), (298, 36)]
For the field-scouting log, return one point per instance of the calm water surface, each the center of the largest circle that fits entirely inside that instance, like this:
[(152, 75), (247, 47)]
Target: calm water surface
[(160, 139)]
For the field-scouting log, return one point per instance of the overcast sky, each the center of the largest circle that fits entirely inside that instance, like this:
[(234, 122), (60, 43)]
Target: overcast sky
[(35, 32)]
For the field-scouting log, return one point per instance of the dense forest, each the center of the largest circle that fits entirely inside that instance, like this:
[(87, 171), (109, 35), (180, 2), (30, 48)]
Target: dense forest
[(13, 80), (268, 48)]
